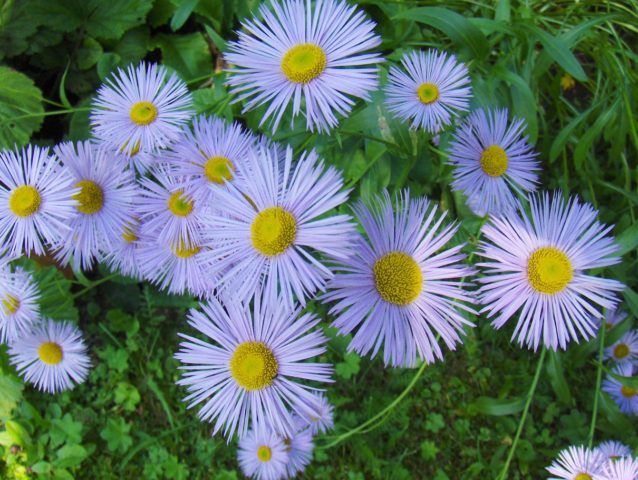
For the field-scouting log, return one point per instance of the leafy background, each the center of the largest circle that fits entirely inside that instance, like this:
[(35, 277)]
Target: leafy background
[(458, 421)]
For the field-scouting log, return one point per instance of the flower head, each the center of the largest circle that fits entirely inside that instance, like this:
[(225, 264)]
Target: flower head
[(537, 265), (626, 397), (263, 455), (625, 350), (299, 447), (430, 90), (52, 356), (613, 450), (305, 53), (401, 287), (122, 254), (576, 463), (625, 468), (493, 161), (322, 420), (19, 308)]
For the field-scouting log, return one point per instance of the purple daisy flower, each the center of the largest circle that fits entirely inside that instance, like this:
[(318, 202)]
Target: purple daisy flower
[(263, 455), (142, 108), (270, 232), (52, 356), (493, 161), (299, 447), (36, 201), (576, 463), (19, 303), (401, 287), (429, 91), (624, 350), (105, 200), (613, 450), (625, 397), (537, 266), (251, 371), (306, 53), (122, 255), (625, 468), (322, 421)]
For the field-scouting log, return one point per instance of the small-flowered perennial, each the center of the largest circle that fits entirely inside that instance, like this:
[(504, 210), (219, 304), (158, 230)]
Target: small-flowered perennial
[(19, 308), (493, 162), (310, 54), (322, 420), (625, 350), (429, 91), (263, 455), (626, 397), (537, 265), (577, 463), (401, 287), (52, 356)]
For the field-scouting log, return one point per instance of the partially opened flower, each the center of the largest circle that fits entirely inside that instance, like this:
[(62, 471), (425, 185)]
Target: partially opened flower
[(210, 155), (493, 161), (272, 232), (263, 455), (626, 397), (429, 91), (402, 287), (299, 447), (537, 265), (310, 54), (141, 109), (577, 463), (105, 201), (52, 356), (625, 468), (36, 201), (251, 372), (613, 450), (19, 307), (625, 349), (322, 420)]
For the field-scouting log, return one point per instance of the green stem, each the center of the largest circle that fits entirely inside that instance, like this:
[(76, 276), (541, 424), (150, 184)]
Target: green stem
[(521, 423), (381, 414), (599, 377), (94, 284), (47, 114)]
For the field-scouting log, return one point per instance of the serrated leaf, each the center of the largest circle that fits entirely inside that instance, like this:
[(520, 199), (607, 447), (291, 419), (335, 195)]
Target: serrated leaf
[(21, 108)]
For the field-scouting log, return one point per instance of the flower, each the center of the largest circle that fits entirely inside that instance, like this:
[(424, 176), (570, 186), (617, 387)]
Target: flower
[(430, 90), (138, 160), (36, 201), (105, 200), (52, 356), (576, 463), (122, 255), (625, 349), (492, 161), (401, 288), (613, 450), (613, 317), (299, 447), (251, 370), (322, 421), (625, 468), (537, 265), (142, 108), (263, 455), (270, 232), (625, 397), (212, 154), (308, 54), (567, 82), (19, 303)]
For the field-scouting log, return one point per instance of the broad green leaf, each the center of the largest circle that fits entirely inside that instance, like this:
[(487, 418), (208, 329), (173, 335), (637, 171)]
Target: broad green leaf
[(628, 240), (10, 394), (182, 13), (187, 54), (20, 108), (56, 301), (116, 434), (454, 25), (495, 406), (70, 456), (559, 50)]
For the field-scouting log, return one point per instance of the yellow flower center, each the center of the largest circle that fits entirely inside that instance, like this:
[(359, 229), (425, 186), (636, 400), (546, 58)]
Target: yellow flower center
[(398, 278), (549, 270), (494, 161), (179, 205), (10, 304), (567, 82), (273, 231), (253, 366), (304, 62), (428, 93), (143, 113), (50, 353), (183, 251), (90, 198), (264, 453), (25, 201), (628, 392), (133, 151), (219, 169), (129, 235), (583, 476), (621, 350)]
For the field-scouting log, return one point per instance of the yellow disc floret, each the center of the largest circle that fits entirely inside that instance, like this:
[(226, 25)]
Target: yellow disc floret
[(10, 304), (179, 204), (398, 278), (24, 201), (304, 62), (621, 350), (253, 366), (628, 392), (219, 169), (583, 476), (549, 270), (494, 161), (143, 113), (428, 93), (185, 251), (50, 353), (91, 197), (264, 453), (273, 231)]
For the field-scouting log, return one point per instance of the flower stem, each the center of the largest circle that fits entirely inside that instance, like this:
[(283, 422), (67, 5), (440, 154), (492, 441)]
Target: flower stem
[(521, 423), (599, 376), (95, 284)]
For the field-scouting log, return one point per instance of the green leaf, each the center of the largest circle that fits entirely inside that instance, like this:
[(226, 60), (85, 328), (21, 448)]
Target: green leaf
[(631, 382), (563, 136), (349, 367), (455, 26), (89, 53), (56, 301), (631, 298), (187, 54), (182, 13), (593, 132), (558, 49), (20, 108), (435, 422), (116, 435), (127, 396), (65, 430), (217, 39), (557, 377), (10, 394), (495, 406), (70, 456), (628, 240)]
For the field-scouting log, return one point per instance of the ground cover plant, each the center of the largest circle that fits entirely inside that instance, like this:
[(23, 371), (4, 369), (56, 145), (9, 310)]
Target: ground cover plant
[(318, 239)]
